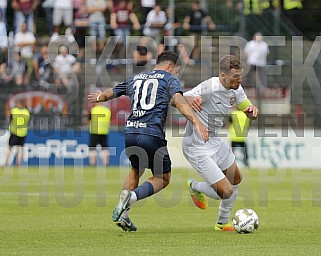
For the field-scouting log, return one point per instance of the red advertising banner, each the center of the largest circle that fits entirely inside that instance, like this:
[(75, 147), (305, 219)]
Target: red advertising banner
[(46, 108)]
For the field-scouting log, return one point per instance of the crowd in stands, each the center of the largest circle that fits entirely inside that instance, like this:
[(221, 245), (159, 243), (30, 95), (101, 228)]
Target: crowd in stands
[(74, 19), (25, 61)]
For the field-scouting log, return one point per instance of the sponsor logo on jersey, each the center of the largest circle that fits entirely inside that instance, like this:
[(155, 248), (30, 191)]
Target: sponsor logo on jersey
[(232, 101), (138, 113), (136, 124)]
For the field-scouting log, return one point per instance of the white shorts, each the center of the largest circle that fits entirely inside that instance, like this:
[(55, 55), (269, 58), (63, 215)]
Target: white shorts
[(210, 158), (62, 16)]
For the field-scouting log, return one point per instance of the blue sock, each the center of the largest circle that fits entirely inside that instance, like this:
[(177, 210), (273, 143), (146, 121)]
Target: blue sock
[(144, 190)]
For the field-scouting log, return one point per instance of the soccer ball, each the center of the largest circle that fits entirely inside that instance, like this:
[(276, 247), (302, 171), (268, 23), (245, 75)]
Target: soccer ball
[(245, 221)]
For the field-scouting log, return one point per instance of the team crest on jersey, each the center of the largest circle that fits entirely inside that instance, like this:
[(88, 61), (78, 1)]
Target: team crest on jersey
[(232, 101)]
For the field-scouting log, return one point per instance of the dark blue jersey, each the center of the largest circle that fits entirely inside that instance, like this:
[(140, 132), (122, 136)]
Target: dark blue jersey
[(150, 94)]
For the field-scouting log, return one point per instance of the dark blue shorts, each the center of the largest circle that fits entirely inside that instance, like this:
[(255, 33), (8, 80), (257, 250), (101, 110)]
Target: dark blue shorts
[(98, 139), (15, 140), (146, 151)]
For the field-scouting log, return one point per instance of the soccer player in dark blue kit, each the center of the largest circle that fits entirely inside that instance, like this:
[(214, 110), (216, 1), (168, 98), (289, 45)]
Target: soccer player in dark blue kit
[(146, 147)]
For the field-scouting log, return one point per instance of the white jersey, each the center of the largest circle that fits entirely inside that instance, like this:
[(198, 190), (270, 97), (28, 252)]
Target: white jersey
[(217, 102), (210, 158)]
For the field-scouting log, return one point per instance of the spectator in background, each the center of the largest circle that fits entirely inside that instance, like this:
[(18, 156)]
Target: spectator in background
[(76, 4), (155, 22), (26, 42), (4, 76), (66, 67), (141, 55), (193, 22), (239, 126), (146, 7), (97, 21), (3, 11), (24, 13), (256, 52), (172, 43), (62, 14), (129, 3), (19, 121), (99, 128), (171, 25), (81, 24), (120, 17), (3, 40), (19, 70), (43, 69), (47, 6), (38, 59)]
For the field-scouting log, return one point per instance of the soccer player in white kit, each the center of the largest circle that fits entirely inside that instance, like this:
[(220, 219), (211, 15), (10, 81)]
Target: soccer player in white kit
[(215, 162)]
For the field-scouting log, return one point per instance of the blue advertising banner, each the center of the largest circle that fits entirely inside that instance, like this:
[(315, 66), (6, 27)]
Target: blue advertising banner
[(69, 147)]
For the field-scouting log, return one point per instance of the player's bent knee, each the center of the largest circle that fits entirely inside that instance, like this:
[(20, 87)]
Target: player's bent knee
[(237, 180), (166, 180), (225, 192), (237, 177), (165, 183)]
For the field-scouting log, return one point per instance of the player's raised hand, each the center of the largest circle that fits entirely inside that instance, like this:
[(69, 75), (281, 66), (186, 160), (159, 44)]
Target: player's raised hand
[(202, 131), (252, 112), (94, 97), (195, 103)]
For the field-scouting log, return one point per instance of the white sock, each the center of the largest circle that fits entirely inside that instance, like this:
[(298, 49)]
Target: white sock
[(205, 188), (133, 198), (226, 206)]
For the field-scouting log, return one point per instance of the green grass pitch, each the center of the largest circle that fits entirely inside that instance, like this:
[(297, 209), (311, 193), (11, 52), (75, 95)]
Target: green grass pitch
[(67, 211)]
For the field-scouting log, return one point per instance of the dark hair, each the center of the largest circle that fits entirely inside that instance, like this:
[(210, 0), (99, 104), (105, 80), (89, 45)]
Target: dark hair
[(229, 62), (168, 56)]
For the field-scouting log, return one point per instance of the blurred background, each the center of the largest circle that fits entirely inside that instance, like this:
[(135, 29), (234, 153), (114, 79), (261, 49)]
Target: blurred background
[(54, 80)]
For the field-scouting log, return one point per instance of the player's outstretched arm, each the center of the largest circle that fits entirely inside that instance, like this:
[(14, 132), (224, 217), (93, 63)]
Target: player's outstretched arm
[(181, 104), (252, 112), (100, 96)]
